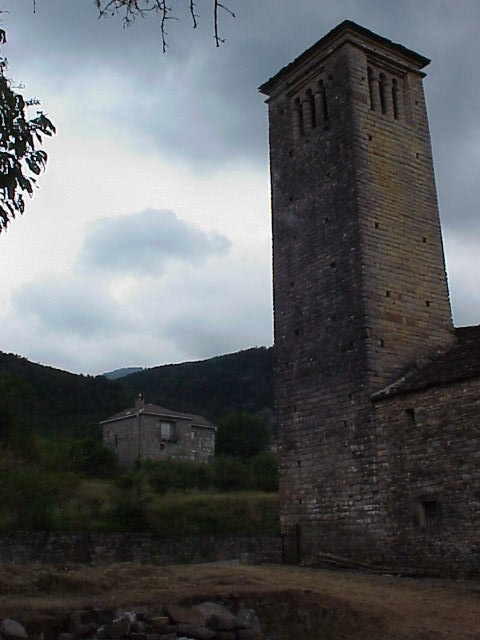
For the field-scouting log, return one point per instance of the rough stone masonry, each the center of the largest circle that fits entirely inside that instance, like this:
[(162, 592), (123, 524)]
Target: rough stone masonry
[(374, 469)]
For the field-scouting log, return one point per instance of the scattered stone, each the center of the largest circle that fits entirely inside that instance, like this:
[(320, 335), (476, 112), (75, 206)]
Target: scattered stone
[(159, 622), (12, 630), (138, 626), (118, 628), (226, 635), (205, 621), (249, 634), (248, 619), (216, 616), (183, 615), (160, 633), (196, 632)]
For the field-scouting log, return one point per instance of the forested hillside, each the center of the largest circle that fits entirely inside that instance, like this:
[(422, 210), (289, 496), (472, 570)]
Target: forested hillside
[(54, 402), (213, 388)]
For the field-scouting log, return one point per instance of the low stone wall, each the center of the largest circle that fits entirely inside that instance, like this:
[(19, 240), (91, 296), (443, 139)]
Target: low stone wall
[(104, 548)]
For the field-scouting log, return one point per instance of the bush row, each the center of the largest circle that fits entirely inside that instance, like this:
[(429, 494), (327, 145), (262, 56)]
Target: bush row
[(224, 473), (35, 498)]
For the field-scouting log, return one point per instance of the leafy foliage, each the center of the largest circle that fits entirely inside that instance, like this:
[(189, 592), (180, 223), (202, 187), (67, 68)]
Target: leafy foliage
[(56, 403), (242, 435), (195, 514), (178, 475), (31, 495), (230, 474), (21, 161), (263, 470), (131, 507), (87, 457), (241, 381)]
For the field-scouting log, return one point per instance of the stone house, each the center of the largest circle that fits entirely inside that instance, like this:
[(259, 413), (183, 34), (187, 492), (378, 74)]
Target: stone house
[(377, 395), (148, 431)]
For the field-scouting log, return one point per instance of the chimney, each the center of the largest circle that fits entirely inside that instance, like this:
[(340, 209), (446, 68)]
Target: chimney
[(139, 402)]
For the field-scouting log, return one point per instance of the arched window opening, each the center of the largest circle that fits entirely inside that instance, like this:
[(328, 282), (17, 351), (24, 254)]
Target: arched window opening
[(299, 116), (311, 107), (382, 81), (323, 95), (395, 98), (371, 82)]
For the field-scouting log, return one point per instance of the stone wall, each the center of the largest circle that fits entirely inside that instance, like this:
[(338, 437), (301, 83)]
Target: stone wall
[(428, 461), (98, 548)]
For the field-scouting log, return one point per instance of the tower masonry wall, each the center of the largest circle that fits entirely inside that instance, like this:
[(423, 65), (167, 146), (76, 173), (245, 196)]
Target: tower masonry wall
[(360, 291)]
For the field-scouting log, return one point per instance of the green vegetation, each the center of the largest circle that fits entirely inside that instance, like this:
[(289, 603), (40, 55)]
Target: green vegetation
[(75, 484), (213, 388), (55, 403), (55, 473), (242, 435), (39, 500)]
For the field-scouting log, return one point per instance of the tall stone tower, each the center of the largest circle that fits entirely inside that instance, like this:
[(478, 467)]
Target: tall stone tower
[(360, 291)]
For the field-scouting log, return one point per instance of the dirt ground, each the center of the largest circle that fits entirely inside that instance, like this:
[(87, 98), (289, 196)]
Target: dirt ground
[(312, 604)]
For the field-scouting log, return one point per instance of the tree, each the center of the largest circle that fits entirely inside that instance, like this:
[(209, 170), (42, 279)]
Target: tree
[(132, 9), (242, 435), (21, 161)]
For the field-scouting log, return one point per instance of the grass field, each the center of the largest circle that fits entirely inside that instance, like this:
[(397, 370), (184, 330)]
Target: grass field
[(97, 505), (290, 601)]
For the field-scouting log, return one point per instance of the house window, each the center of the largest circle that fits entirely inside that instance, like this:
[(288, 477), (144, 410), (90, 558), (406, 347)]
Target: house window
[(166, 430), (116, 440)]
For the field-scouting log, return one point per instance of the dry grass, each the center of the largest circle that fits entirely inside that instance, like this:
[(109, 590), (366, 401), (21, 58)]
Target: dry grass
[(290, 601)]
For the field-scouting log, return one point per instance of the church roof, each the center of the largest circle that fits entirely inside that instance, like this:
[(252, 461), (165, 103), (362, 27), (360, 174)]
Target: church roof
[(460, 362), (161, 412)]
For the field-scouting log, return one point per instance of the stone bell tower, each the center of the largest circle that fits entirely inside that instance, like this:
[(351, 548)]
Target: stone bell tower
[(360, 291)]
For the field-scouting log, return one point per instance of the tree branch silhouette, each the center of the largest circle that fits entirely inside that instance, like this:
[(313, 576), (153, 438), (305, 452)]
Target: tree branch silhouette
[(133, 9)]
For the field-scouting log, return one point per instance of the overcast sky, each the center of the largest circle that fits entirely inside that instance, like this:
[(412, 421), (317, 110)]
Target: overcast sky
[(149, 241)]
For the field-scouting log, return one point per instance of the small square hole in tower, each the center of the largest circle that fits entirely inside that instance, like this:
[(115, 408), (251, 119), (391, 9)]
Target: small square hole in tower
[(428, 513)]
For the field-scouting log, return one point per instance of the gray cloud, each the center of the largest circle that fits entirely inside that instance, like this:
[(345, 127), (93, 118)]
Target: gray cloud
[(70, 305), (198, 309), (199, 106), (143, 243)]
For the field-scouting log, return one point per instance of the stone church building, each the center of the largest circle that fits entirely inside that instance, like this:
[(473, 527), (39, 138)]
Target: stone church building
[(377, 394)]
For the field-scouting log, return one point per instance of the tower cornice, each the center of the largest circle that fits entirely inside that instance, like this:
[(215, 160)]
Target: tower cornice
[(345, 32)]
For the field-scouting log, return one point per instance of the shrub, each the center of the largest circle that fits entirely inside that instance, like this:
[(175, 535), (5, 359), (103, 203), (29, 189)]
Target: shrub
[(176, 515), (242, 435), (229, 474), (263, 470), (86, 456), (31, 497), (179, 475), (130, 510)]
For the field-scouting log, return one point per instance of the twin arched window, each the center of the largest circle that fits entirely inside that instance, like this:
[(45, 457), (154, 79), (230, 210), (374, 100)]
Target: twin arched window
[(384, 93), (311, 109)]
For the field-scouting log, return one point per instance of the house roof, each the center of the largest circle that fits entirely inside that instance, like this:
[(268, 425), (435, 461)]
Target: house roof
[(161, 412), (347, 27), (460, 362)]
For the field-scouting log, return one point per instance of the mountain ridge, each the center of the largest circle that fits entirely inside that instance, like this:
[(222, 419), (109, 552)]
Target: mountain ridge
[(58, 403)]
